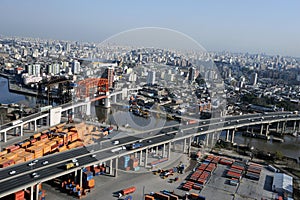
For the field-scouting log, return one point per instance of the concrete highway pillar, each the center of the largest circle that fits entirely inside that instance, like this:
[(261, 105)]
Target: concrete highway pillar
[(169, 150), (135, 154), (294, 126), (75, 176), (80, 177), (189, 146), (106, 102), (261, 129), (227, 135), (21, 131), (212, 139), (37, 191), (48, 121), (29, 125), (252, 131), (277, 128), (31, 192), (146, 158), (35, 125), (283, 127), (5, 136), (207, 140), (141, 156), (164, 151), (156, 150), (298, 126), (232, 136), (114, 99), (184, 145), (267, 129), (116, 167), (111, 167)]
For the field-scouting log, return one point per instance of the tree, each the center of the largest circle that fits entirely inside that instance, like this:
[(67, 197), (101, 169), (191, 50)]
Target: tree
[(278, 155)]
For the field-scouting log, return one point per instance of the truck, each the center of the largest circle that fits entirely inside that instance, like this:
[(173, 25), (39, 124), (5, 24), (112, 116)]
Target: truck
[(127, 191), (71, 165)]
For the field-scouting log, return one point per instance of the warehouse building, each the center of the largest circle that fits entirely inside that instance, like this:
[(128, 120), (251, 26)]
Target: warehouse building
[(283, 184)]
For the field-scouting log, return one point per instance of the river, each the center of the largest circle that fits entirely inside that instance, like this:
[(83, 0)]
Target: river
[(7, 97)]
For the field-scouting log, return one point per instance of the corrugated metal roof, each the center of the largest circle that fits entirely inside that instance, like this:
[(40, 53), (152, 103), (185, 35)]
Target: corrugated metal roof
[(283, 181)]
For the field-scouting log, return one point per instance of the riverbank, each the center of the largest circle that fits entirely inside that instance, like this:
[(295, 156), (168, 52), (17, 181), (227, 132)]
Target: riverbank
[(13, 87)]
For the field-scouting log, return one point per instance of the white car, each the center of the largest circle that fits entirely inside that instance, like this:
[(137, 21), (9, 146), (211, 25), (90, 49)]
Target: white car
[(36, 176), (45, 162), (35, 161), (12, 172), (93, 156), (74, 160), (116, 142), (31, 164)]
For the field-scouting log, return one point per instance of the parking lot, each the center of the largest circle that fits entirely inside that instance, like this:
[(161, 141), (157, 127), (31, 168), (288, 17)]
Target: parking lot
[(216, 188)]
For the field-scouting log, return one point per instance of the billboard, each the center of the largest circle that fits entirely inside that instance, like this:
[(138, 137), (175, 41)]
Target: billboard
[(55, 116)]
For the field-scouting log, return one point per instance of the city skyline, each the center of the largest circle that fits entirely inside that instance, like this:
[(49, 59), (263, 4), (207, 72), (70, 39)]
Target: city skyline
[(254, 27)]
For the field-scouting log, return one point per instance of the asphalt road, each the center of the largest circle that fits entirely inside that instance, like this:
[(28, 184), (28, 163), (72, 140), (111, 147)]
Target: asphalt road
[(57, 161)]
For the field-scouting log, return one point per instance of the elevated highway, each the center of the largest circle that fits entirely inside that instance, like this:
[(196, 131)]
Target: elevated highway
[(165, 138)]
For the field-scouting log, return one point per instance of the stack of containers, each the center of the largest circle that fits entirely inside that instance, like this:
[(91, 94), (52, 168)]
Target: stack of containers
[(36, 150), (134, 164), (203, 178), (188, 185), (88, 180), (211, 167), (6, 162), (236, 170), (195, 175), (253, 171), (126, 163)]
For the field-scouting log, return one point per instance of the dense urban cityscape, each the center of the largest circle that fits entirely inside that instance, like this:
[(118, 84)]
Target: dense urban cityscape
[(181, 88), (149, 100)]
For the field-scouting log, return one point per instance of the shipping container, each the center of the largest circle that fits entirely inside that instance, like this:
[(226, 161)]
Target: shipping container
[(127, 191), (148, 197), (2, 153), (6, 162), (161, 196), (12, 148), (19, 195), (10, 156), (37, 135)]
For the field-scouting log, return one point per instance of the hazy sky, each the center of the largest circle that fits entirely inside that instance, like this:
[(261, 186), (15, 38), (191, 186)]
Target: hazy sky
[(255, 26)]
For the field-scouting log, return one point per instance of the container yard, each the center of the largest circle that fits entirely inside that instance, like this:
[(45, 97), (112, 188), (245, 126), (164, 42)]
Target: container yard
[(55, 139)]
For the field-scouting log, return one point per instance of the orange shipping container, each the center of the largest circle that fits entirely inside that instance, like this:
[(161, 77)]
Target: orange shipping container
[(19, 151), (63, 148), (25, 144), (6, 163), (51, 143), (46, 149), (148, 197), (39, 143), (91, 183), (18, 160), (2, 153), (10, 156), (19, 195), (59, 141), (36, 135), (12, 148)]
